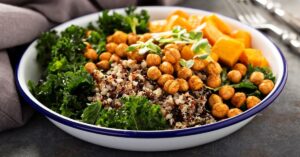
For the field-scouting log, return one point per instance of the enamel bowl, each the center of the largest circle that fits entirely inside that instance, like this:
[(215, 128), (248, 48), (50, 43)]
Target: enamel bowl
[(29, 69)]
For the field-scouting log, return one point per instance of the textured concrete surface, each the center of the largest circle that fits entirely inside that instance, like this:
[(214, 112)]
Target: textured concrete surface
[(274, 132)]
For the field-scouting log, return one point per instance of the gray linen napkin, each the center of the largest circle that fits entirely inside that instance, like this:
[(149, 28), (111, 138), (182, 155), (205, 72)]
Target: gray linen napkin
[(21, 21)]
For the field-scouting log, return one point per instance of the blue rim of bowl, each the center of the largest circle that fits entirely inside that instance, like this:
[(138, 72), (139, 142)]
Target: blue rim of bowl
[(163, 133)]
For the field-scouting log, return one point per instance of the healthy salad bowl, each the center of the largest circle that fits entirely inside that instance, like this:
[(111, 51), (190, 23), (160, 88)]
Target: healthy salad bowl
[(151, 78)]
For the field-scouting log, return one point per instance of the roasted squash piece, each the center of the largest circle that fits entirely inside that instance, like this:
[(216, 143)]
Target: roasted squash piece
[(254, 57), (195, 20), (228, 50), (212, 33), (214, 56), (157, 26), (220, 24), (243, 36), (176, 20), (180, 13)]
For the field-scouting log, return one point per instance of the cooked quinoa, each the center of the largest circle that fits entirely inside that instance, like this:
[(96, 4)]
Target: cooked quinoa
[(181, 110)]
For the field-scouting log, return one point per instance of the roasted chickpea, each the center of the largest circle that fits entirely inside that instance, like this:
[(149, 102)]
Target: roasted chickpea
[(184, 73), (180, 46), (132, 38), (109, 39), (177, 66), (241, 68), (166, 68), (266, 86), (195, 83), (171, 46), (104, 64), (171, 86), (213, 68), (252, 101), (90, 67), (238, 99), (257, 77), (153, 59), (187, 53), (234, 112), (119, 37), (91, 54), (134, 55), (105, 56), (234, 76), (219, 110), (213, 99), (111, 47), (88, 33), (121, 50), (114, 58), (198, 65), (145, 37), (153, 73), (87, 45), (164, 78), (183, 85), (213, 81), (226, 92), (172, 55)]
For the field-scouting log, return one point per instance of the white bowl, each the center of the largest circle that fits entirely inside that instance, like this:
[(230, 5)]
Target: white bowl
[(153, 140)]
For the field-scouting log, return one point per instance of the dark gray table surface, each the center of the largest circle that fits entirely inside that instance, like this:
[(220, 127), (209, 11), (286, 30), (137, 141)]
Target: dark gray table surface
[(274, 132)]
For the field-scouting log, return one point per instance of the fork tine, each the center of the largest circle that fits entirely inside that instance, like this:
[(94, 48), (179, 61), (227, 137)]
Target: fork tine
[(247, 12), (232, 4), (252, 14)]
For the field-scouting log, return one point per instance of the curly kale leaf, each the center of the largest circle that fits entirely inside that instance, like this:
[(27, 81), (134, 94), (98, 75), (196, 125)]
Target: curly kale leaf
[(65, 85), (97, 41), (136, 113), (265, 70), (44, 47)]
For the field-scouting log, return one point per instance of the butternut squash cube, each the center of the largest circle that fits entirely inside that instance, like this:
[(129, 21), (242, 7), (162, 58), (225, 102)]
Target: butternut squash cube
[(220, 24), (212, 33), (228, 50), (157, 26), (176, 20), (243, 36), (180, 13), (254, 57)]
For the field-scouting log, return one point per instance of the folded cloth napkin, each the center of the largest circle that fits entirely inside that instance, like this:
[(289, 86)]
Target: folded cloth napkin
[(21, 21)]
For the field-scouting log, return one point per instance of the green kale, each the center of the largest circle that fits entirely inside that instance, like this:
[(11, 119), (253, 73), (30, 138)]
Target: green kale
[(91, 113), (65, 85), (44, 47), (265, 70), (136, 113), (131, 22), (97, 41)]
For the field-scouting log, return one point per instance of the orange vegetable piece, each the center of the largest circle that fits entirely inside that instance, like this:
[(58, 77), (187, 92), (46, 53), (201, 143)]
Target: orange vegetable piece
[(228, 50), (195, 20), (220, 24), (176, 20), (212, 33), (254, 57), (243, 36), (214, 56), (180, 13), (157, 26)]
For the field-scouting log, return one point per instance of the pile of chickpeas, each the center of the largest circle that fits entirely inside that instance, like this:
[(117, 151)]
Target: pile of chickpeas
[(227, 93), (172, 77)]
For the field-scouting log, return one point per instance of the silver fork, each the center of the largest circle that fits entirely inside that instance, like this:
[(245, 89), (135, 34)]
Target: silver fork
[(256, 20)]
